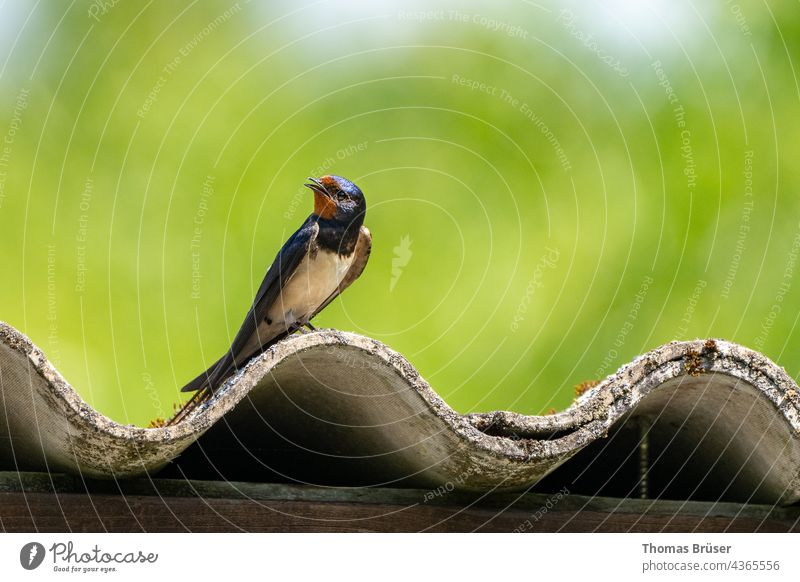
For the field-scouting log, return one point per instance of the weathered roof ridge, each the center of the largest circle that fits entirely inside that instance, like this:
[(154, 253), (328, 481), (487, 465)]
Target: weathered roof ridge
[(376, 411)]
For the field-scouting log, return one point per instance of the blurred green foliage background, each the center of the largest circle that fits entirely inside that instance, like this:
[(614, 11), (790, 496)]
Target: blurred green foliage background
[(552, 188)]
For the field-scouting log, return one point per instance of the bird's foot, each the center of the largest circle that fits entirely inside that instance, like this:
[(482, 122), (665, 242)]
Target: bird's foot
[(298, 327), (301, 327)]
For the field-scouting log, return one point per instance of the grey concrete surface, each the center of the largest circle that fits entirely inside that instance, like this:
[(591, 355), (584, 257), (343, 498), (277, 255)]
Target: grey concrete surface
[(359, 411)]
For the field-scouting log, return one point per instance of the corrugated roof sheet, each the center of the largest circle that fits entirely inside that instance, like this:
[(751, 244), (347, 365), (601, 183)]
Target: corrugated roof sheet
[(699, 419)]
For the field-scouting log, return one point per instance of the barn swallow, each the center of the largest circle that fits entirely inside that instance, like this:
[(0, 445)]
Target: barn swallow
[(319, 261)]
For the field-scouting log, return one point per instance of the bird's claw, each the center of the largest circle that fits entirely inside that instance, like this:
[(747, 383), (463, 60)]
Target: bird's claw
[(301, 327)]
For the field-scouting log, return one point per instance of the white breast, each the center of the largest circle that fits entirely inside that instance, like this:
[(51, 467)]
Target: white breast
[(312, 283)]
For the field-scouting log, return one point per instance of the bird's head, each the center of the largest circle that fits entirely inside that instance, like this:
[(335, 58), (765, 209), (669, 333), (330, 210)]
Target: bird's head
[(337, 198)]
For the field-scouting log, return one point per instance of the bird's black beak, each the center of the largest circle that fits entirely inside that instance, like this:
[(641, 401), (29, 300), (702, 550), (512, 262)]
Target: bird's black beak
[(317, 186)]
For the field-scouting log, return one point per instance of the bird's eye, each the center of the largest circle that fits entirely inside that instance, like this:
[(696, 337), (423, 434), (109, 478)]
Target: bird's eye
[(340, 195)]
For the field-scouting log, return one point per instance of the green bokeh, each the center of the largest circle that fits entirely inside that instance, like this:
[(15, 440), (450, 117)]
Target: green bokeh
[(539, 175)]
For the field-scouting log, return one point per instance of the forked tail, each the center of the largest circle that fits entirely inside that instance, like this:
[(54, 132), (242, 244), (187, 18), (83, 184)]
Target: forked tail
[(203, 386)]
